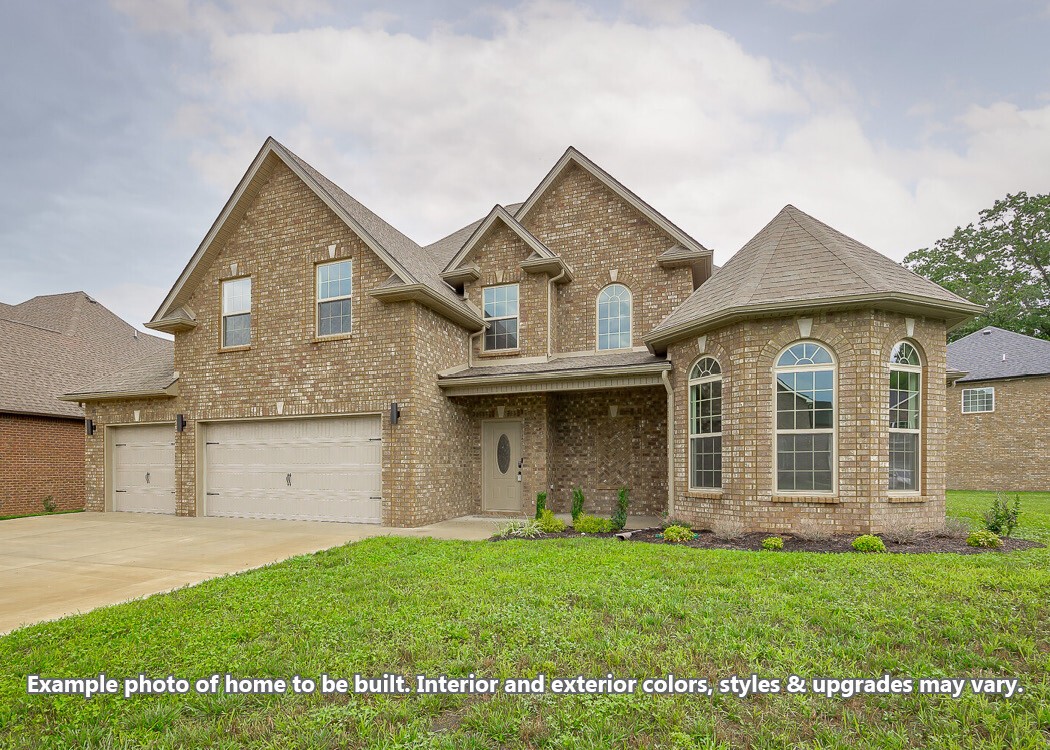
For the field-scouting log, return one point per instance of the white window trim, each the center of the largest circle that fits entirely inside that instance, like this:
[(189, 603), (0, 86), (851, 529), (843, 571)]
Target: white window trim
[(689, 411), (318, 299), (834, 425), (962, 401), (224, 314), (630, 319), (517, 317), (918, 431)]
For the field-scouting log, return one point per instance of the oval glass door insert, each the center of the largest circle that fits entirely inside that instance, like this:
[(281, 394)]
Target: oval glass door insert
[(503, 454)]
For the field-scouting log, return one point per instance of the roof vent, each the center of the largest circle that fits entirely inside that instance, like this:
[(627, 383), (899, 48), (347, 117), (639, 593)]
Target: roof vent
[(1004, 356), (986, 331)]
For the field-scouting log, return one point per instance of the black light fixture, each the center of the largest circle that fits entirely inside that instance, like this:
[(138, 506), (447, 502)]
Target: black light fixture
[(180, 422), (395, 412), (89, 427)]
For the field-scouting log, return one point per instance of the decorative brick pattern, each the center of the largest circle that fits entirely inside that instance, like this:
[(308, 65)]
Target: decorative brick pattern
[(40, 457), (1003, 450)]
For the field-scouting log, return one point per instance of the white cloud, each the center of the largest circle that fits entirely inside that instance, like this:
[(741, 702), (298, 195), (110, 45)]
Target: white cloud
[(803, 6), (214, 16)]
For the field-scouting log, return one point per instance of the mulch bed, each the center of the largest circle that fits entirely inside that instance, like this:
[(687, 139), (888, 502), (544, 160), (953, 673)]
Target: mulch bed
[(924, 543)]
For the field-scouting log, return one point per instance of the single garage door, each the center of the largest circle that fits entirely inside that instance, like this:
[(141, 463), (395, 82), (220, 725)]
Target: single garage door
[(327, 469), (144, 468)]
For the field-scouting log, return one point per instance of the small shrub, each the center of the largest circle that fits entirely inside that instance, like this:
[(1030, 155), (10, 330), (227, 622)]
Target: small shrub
[(987, 539), (49, 504), (868, 543), (728, 530), (527, 528), (902, 535), (1001, 518), (954, 528), (541, 504), (678, 533), (772, 543), (619, 517), (667, 521), (586, 524), (577, 503), (550, 523), (811, 532)]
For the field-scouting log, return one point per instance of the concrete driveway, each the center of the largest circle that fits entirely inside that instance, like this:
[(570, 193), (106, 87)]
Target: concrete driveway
[(51, 566)]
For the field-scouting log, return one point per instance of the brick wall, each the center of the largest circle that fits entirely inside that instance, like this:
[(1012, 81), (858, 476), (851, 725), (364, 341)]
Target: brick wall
[(40, 457), (1007, 449)]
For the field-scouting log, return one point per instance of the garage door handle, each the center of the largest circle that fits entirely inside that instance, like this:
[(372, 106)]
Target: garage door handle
[(376, 497), (288, 479), (147, 477), (211, 493), (121, 490)]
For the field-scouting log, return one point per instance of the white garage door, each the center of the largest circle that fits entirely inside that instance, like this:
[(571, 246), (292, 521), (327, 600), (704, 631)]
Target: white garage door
[(144, 468), (326, 469)]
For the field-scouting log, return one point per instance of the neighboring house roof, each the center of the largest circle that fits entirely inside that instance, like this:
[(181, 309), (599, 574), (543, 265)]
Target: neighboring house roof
[(798, 262), (993, 353), (52, 344)]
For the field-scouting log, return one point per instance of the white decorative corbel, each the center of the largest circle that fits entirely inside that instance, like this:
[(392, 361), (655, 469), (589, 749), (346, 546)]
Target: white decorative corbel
[(805, 327), (331, 251), (280, 408), (701, 344), (612, 274), (233, 269), (909, 326), (501, 411), (613, 409), (137, 415)]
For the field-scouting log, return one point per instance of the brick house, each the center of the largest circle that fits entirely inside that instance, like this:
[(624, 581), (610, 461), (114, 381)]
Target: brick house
[(999, 412), (328, 367), (48, 346)]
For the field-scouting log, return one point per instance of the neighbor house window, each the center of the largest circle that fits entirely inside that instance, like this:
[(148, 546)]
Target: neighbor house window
[(905, 417), (805, 419), (333, 298), (501, 313), (614, 317), (705, 425), (237, 312), (977, 400)]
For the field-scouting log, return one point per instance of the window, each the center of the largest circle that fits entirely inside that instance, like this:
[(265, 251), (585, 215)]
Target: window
[(237, 312), (334, 285), (905, 417), (614, 317), (805, 419), (705, 425), (501, 313), (977, 400)]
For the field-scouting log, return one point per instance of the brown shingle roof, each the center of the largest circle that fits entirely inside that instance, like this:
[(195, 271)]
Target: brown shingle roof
[(796, 261), (52, 344), (152, 374)]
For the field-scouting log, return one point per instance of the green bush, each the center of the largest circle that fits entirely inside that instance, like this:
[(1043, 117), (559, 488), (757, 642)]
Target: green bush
[(541, 504), (619, 518), (868, 543), (678, 533), (987, 539), (667, 521), (527, 528), (577, 503), (592, 524), (49, 504), (1001, 518), (772, 543), (550, 523)]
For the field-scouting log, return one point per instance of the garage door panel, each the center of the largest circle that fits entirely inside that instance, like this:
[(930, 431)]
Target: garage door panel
[(143, 468), (314, 469)]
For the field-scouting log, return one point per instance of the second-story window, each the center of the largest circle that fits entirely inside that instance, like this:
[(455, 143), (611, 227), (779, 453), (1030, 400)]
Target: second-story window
[(334, 286), (501, 313), (237, 312), (614, 317)]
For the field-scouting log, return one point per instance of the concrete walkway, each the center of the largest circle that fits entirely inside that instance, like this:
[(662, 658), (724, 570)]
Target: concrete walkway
[(51, 566)]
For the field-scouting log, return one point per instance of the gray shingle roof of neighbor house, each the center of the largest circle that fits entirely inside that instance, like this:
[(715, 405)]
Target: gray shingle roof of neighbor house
[(993, 354), (589, 362), (55, 343), (798, 262)]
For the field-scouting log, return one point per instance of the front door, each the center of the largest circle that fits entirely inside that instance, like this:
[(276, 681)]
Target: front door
[(501, 467)]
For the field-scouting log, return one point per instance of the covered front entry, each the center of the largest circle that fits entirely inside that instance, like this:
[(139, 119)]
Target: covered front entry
[(315, 469), (501, 464), (143, 468)]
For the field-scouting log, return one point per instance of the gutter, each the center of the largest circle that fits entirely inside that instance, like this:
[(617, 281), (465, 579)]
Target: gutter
[(76, 398), (666, 379), (533, 377)]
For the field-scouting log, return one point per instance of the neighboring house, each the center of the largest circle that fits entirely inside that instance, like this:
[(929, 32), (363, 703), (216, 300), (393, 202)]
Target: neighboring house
[(48, 346), (328, 367), (999, 412)]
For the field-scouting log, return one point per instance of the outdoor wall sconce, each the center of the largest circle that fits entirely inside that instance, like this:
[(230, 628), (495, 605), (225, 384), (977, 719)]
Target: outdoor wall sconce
[(395, 412), (180, 422), (89, 427)]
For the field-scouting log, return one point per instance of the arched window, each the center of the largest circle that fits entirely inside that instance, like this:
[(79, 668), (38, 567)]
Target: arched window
[(614, 317), (805, 419), (905, 417), (705, 424)]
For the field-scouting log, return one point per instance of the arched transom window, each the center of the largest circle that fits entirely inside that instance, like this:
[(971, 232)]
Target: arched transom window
[(905, 418), (705, 424), (614, 317), (805, 419)]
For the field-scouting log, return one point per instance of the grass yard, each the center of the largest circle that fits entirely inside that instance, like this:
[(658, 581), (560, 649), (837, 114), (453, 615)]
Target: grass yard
[(41, 513), (563, 607)]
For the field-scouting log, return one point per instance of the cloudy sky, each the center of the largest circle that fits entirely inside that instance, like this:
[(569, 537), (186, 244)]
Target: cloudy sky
[(127, 124)]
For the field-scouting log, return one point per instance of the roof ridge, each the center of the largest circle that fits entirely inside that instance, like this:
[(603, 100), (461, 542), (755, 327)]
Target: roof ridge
[(752, 280)]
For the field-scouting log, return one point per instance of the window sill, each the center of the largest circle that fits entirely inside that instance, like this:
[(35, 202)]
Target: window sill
[(816, 499), (335, 337), (499, 352), (911, 497), (224, 349), (705, 493)]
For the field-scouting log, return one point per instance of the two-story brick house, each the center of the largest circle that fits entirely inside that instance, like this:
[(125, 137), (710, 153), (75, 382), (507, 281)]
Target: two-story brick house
[(328, 367)]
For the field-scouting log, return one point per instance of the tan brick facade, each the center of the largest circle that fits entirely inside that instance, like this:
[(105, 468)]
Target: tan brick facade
[(1007, 449), (40, 457)]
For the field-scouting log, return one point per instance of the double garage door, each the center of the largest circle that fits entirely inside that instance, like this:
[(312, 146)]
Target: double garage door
[(327, 469)]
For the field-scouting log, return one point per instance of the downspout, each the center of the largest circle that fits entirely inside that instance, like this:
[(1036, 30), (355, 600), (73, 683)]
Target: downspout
[(666, 379), (550, 288), (470, 347)]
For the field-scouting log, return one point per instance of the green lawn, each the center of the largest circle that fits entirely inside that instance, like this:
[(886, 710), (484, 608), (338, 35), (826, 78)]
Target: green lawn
[(563, 607), (41, 513)]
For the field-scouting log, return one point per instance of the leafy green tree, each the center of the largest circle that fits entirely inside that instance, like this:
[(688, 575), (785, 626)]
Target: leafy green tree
[(1002, 262)]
